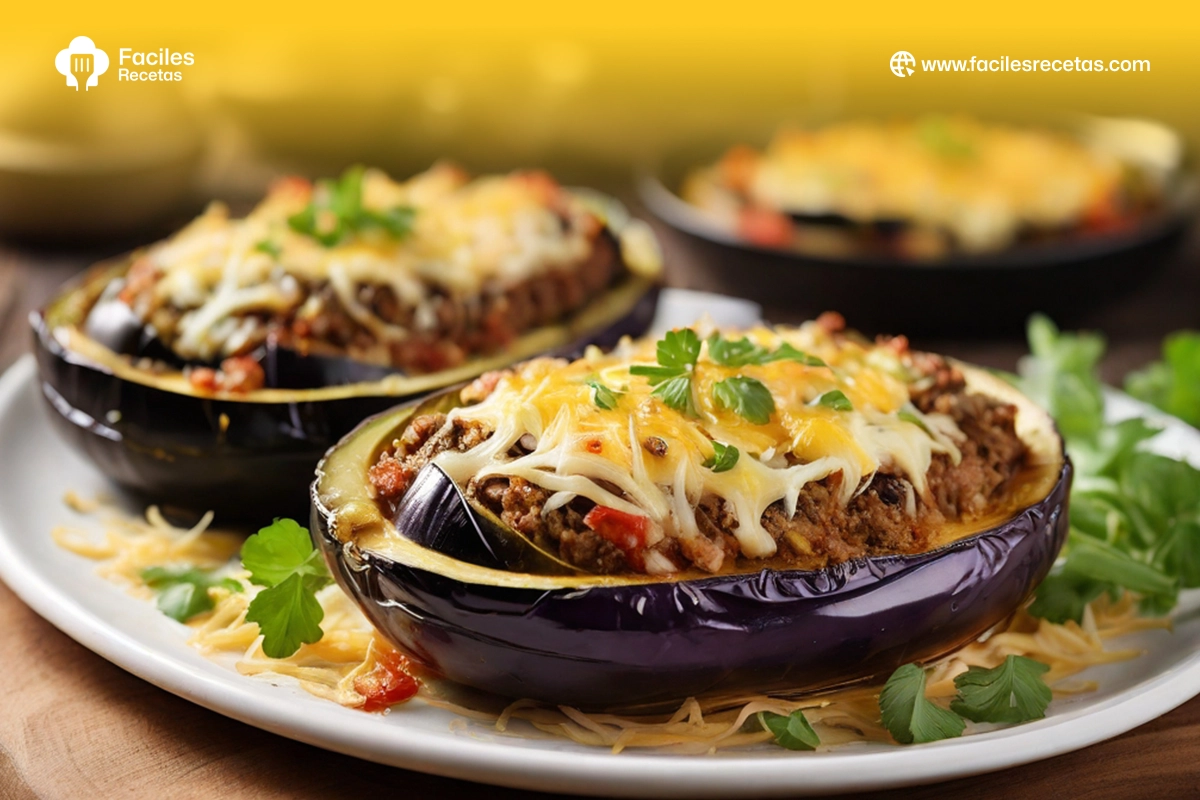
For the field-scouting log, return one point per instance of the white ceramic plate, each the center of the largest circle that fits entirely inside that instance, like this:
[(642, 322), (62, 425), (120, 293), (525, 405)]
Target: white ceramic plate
[(131, 633)]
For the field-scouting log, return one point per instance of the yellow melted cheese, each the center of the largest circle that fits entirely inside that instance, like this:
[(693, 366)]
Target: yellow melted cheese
[(467, 235), (583, 449)]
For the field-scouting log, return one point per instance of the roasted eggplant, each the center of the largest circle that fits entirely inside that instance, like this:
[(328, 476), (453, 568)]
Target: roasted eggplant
[(476, 602), (132, 403)]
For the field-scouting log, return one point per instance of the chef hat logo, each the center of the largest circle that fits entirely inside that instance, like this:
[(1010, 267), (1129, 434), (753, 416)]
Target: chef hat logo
[(81, 60)]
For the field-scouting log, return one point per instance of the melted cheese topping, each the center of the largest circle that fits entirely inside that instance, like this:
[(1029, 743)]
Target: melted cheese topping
[(583, 450), (466, 236), (981, 183)]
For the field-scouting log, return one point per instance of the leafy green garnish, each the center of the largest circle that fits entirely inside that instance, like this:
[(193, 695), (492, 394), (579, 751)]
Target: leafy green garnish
[(1059, 374), (910, 415), (1172, 384), (1011, 692), (835, 399), (604, 397), (792, 731), (281, 557), (743, 352), (909, 715), (746, 397), (724, 457), (676, 353), (270, 248), (1134, 515), (182, 592), (336, 212), (678, 349)]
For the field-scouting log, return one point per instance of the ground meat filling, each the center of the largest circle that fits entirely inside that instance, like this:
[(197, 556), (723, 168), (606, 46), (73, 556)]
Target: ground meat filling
[(887, 517), (454, 328)]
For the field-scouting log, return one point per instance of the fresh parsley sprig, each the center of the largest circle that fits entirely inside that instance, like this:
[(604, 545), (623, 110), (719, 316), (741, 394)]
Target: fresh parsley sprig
[(835, 399), (676, 353), (604, 397), (281, 558), (336, 212), (1172, 384), (182, 592), (1009, 693), (909, 715), (749, 398), (724, 457), (792, 731), (743, 352), (1134, 515)]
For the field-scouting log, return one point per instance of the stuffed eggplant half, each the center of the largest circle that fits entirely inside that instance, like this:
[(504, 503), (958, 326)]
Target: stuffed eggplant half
[(779, 510), (212, 370)]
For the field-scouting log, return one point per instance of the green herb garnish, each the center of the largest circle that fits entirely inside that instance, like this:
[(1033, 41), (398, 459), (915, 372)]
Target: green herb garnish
[(182, 592), (743, 352), (909, 715), (336, 212), (604, 397), (1012, 692), (270, 248), (672, 378), (1172, 384), (791, 731), (746, 397), (724, 457), (835, 399), (281, 557), (1134, 515)]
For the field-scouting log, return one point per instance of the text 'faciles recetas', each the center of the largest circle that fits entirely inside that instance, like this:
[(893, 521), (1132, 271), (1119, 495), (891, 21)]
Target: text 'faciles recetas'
[(130, 60)]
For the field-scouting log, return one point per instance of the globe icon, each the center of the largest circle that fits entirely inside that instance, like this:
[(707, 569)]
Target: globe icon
[(902, 64)]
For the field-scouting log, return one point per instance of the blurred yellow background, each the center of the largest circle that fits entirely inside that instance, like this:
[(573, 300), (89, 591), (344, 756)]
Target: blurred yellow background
[(587, 90)]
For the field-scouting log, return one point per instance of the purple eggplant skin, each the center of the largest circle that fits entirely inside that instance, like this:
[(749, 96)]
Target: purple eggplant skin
[(241, 457), (653, 644)]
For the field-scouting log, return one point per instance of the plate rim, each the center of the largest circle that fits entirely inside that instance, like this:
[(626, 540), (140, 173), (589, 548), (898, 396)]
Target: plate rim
[(276, 710)]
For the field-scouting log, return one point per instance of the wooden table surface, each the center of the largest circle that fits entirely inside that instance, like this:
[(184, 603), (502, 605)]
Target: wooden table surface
[(74, 725)]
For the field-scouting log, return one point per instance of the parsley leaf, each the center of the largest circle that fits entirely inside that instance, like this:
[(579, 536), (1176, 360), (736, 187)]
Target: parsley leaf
[(835, 399), (1011, 692), (746, 397), (792, 731), (679, 349), (604, 397), (1134, 515), (336, 211), (734, 352), (279, 550), (911, 717), (724, 457), (281, 557), (1060, 376), (183, 591), (743, 352), (672, 378), (1172, 384), (270, 248), (910, 415), (288, 615)]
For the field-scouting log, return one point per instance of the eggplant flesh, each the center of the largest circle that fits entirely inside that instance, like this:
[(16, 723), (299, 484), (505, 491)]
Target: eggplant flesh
[(245, 456), (622, 642)]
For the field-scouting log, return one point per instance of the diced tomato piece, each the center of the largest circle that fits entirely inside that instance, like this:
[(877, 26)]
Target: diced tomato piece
[(242, 374), (204, 379), (629, 532), (1105, 215), (765, 227), (388, 684), (737, 168)]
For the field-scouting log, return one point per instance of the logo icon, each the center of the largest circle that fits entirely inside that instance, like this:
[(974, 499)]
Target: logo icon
[(902, 64), (82, 63)]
